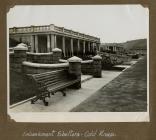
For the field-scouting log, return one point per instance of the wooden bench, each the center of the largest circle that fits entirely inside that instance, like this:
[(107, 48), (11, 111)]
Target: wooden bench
[(48, 83)]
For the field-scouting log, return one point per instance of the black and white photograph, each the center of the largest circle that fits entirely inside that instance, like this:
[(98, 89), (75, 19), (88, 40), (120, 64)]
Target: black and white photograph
[(78, 63)]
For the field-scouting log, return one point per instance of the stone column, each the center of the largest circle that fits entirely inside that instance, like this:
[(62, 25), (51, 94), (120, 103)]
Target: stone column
[(63, 46), (36, 43), (32, 43), (19, 56), (84, 47), (113, 48), (71, 44), (89, 47), (55, 40), (78, 46), (97, 68), (93, 47), (99, 48), (48, 43), (56, 55), (52, 41), (75, 70)]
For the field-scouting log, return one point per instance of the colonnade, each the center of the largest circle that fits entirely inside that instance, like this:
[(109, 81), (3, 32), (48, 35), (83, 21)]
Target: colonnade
[(70, 46)]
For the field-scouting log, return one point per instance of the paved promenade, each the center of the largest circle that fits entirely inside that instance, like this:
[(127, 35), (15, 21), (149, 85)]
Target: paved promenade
[(76, 98), (59, 103), (126, 93)]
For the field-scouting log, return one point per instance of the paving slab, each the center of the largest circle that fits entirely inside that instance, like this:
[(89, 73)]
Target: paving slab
[(85, 78)]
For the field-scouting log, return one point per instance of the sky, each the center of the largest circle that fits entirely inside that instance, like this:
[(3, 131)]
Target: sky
[(111, 23)]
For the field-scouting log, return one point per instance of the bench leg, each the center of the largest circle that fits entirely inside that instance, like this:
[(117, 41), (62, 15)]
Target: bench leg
[(45, 102), (48, 94), (64, 94), (41, 98), (77, 85), (34, 100)]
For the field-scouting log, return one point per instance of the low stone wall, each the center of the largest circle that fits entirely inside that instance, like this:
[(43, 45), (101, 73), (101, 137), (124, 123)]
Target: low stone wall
[(30, 63), (20, 54), (32, 68), (11, 60), (87, 67), (45, 58), (109, 60)]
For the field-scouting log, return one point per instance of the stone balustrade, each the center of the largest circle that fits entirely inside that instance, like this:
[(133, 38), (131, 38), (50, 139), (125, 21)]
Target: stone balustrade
[(48, 28)]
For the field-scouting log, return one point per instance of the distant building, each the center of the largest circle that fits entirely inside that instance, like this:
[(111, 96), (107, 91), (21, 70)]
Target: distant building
[(112, 47), (42, 39), (140, 51)]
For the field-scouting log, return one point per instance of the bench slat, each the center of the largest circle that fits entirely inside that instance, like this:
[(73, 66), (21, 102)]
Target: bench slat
[(51, 78), (61, 86), (49, 75), (51, 82), (57, 82)]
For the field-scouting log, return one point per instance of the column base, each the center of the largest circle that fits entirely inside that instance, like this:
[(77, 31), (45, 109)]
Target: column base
[(76, 85), (97, 75)]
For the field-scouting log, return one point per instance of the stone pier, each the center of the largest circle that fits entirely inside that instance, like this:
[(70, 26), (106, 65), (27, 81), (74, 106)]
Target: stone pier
[(75, 69)]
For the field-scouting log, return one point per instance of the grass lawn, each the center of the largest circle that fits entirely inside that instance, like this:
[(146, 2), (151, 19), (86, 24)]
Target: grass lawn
[(21, 87), (126, 93)]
